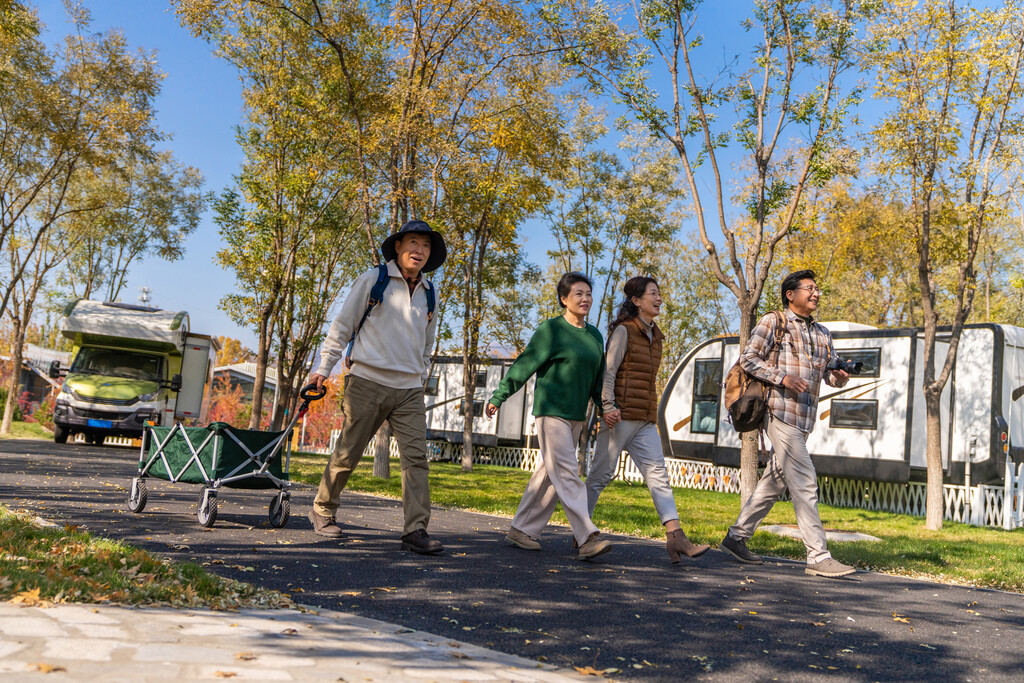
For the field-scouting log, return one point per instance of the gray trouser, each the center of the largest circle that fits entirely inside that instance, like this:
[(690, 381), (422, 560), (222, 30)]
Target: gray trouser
[(641, 439), (789, 465), (366, 405), (556, 479)]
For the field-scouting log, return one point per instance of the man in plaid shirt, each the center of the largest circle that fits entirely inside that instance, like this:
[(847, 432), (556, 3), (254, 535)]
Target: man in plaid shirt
[(794, 370)]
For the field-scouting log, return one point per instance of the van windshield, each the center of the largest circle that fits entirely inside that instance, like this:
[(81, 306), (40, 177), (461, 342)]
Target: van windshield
[(115, 363)]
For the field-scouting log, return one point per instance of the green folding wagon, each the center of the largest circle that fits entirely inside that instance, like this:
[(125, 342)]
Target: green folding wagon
[(217, 456)]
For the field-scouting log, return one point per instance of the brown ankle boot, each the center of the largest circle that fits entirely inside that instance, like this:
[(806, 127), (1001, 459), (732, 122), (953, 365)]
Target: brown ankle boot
[(677, 542)]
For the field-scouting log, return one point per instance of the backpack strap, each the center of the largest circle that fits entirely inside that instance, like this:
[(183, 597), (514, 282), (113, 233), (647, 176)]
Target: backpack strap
[(376, 296), (431, 302)]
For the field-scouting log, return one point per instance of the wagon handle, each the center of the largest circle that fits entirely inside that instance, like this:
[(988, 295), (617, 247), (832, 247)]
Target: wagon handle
[(310, 393)]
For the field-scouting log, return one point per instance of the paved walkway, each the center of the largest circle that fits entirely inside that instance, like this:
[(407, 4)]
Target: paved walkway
[(110, 643)]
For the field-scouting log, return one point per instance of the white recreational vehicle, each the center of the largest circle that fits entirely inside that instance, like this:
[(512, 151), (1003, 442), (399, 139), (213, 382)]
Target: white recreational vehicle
[(444, 397), (131, 365), (874, 427)]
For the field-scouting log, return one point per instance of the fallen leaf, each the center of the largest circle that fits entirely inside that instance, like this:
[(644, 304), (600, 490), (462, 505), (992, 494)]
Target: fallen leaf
[(817, 623), (245, 656), (588, 670), (45, 668), (224, 674), (902, 620), (289, 632)]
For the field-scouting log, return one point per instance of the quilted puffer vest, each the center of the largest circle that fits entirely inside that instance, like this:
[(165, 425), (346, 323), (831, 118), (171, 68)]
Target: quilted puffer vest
[(635, 392)]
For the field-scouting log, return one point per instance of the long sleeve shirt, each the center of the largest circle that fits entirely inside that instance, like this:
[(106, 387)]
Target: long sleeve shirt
[(569, 364), (394, 345), (805, 350)]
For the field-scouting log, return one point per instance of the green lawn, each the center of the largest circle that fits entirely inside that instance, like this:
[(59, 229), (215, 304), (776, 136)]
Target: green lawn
[(957, 554), (62, 564), (28, 430)]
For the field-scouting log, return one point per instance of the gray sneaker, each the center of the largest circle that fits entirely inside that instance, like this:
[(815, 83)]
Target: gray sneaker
[(521, 540), (738, 549), (830, 568), (325, 526), (593, 547)]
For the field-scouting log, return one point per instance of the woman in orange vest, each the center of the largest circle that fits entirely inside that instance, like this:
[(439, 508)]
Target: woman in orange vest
[(630, 403)]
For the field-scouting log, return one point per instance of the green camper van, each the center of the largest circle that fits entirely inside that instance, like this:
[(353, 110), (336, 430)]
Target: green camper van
[(131, 365)]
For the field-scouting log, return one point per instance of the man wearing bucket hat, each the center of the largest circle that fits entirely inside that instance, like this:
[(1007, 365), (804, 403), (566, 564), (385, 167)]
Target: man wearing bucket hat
[(387, 323)]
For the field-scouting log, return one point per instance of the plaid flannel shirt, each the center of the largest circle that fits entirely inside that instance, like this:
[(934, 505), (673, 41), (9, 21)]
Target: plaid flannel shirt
[(804, 350)]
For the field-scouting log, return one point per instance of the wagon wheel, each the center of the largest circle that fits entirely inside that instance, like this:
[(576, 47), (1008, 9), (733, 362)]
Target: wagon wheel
[(206, 510), (280, 509), (137, 495)]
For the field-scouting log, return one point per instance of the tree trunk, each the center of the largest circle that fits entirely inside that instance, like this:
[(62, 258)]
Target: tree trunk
[(749, 444), (469, 392), (935, 504), (262, 355), (382, 451), (14, 385)]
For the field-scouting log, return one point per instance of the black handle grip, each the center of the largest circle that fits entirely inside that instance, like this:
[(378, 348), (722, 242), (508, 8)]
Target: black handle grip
[(311, 393)]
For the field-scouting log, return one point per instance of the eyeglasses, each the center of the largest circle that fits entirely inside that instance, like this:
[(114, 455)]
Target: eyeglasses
[(812, 289)]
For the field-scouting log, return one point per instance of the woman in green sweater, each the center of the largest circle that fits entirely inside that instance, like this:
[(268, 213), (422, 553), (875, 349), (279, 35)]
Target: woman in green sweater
[(567, 355)]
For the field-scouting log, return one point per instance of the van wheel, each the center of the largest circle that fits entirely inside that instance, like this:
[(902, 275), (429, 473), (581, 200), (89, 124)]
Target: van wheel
[(60, 434)]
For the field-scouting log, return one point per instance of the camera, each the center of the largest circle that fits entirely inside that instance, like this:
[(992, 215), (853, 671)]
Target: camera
[(850, 367)]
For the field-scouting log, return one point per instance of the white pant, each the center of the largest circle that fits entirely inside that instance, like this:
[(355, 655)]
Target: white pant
[(556, 480), (641, 439), (789, 465)]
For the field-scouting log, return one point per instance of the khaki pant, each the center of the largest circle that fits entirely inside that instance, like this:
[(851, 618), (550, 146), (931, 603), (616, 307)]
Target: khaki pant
[(640, 438), (789, 465), (556, 479), (366, 405)]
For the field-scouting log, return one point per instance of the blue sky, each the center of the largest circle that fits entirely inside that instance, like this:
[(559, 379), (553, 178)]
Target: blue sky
[(199, 106)]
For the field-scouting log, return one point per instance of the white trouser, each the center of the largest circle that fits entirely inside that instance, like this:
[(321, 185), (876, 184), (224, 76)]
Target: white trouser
[(640, 438), (789, 466), (556, 480)]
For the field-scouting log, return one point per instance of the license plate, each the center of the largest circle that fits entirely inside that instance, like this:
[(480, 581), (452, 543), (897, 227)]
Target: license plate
[(105, 424)]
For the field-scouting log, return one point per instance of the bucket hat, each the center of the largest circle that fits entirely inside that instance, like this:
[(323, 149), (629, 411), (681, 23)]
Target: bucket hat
[(438, 249)]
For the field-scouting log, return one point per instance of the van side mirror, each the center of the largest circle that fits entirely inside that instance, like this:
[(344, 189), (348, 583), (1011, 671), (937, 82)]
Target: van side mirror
[(54, 369), (176, 383)]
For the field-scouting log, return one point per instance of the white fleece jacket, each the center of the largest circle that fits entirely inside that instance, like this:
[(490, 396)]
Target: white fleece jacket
[(396, 341)]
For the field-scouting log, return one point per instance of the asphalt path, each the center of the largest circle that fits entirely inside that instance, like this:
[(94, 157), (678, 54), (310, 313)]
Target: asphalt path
[(704, 619)]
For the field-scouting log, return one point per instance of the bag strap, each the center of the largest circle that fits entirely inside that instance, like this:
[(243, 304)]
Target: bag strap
[(376, 296)]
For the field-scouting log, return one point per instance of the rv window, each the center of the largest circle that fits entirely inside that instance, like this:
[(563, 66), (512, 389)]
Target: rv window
[(481, 378), (854, 414), (478, 408), (118, 363), (707, 385), (871, 358), (431, 388)]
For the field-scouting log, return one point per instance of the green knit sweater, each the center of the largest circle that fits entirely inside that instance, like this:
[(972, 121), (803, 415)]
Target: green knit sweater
[(569, 363)]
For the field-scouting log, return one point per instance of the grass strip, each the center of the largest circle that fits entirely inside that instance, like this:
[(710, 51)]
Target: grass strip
[(957, 553), (52, 564)]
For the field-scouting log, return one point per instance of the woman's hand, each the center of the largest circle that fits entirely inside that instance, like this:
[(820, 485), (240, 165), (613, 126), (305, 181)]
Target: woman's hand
[(612, 418), (491, 410)]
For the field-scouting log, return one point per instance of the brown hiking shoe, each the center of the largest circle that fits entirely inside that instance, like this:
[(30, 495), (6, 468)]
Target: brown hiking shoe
[(325, 526), (521, 540), (830, 568), (593, 547)]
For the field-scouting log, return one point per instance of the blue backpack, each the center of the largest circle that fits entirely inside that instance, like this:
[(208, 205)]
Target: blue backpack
[(376, 296)]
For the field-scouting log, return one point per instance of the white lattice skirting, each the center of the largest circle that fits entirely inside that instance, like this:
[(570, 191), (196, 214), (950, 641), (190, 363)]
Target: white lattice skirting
[(993, 506)]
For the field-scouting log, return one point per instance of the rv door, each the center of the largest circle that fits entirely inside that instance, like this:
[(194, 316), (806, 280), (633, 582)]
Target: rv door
[(195, 376)]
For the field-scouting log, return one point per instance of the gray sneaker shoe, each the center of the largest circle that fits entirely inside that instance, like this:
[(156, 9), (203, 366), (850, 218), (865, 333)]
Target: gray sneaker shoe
[(593, 547), (831, 568), (325, 526), (520, 540), (738, 549)]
